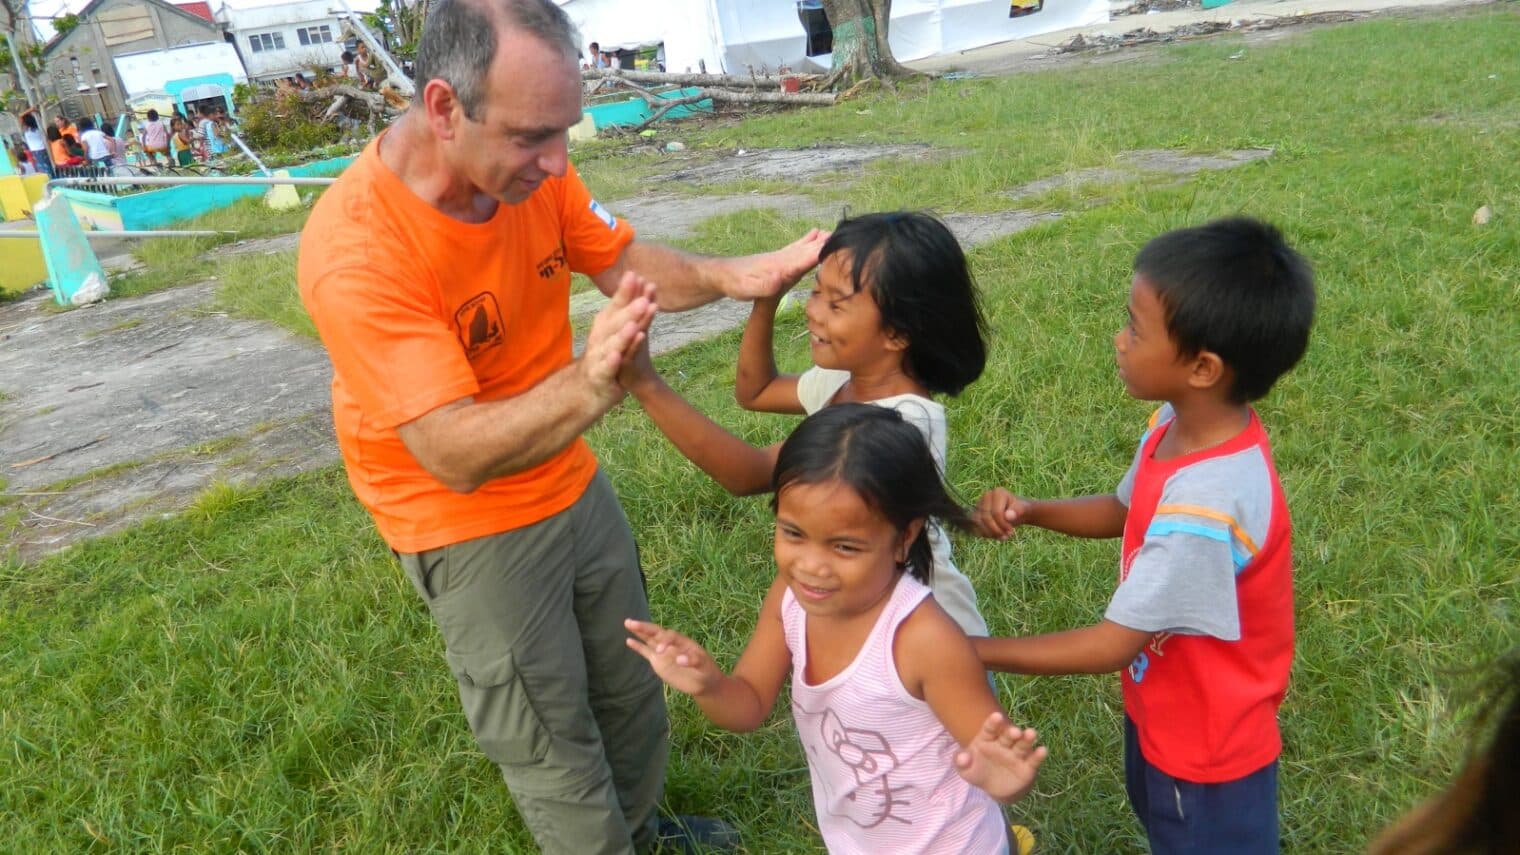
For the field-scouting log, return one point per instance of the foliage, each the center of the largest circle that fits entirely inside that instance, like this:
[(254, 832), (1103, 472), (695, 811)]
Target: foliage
[(31, 57), (279, 121), (65, 23), (399, 25)]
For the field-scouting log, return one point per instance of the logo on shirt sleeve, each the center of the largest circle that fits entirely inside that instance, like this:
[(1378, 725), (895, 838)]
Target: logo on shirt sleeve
[(478, 323), (603, 214)]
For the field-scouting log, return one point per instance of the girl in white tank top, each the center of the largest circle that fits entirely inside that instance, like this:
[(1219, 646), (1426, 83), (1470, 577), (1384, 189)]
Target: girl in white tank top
[(907, 748)]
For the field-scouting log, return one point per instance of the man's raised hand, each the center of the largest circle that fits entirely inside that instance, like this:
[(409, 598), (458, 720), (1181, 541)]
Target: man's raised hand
[(616, 332)]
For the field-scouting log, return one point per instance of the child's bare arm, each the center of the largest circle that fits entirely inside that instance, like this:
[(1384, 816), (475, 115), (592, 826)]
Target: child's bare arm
[(937, 662), (740, 702), (999, 512), (739, 467), (757, 385), (1102, 648)]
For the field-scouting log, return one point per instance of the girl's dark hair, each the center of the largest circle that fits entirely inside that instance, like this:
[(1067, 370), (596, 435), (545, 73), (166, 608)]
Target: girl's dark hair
[(917, 274), (1476, 813), (883, 458), (30, 121), (52, 133)]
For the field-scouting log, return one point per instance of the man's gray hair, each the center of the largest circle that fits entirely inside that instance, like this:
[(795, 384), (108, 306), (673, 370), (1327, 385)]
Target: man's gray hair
[(460, 39)]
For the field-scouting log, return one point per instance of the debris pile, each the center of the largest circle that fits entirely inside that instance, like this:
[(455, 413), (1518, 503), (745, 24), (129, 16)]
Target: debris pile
[(1104, 42), (728, 89)]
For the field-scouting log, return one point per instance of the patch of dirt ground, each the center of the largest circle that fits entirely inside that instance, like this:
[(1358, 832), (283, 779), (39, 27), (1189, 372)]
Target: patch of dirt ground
[(783, 164)]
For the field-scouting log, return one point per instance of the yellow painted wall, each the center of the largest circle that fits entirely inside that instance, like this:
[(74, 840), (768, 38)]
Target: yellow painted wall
[(21, 264), (14, 203), (34, 184)]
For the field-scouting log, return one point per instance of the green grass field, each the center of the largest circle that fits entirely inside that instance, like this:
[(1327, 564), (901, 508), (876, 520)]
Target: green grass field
[(256, 675)]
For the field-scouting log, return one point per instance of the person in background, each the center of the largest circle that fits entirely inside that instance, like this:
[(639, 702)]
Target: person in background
[(348, 65), (65, 126), (596, 57), (36, 143), (65, 149), (211, 134), (155, 139), (184, 143), (97, 150), (368, 66), (117, 145)]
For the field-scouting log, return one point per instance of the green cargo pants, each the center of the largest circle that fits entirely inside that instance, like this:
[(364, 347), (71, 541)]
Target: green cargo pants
[(532, 624)]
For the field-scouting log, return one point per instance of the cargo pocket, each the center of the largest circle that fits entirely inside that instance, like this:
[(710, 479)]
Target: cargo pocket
[(501, 714)]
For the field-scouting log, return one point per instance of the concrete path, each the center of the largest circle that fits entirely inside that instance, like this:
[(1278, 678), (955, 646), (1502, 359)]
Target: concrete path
[(1041, 52)]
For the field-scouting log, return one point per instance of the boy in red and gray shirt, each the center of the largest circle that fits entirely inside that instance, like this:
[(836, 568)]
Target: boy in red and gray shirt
[(1201, 624)]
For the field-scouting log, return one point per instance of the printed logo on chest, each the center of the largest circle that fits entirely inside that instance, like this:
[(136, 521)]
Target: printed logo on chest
[(478, 324), (552, 263)]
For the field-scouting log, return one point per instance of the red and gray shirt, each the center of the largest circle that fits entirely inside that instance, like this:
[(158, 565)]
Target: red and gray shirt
[(1207, 566)]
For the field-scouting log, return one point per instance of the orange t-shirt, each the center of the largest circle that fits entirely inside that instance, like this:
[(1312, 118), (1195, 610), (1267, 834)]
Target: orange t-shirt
[(418, 309)]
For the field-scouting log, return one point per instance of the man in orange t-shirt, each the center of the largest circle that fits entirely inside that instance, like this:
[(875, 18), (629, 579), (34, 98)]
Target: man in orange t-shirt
[(437, 271)]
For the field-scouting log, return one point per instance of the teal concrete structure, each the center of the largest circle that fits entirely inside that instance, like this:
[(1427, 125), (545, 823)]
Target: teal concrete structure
[(176, 87), (154, 209), (70, 261), (635, 112)]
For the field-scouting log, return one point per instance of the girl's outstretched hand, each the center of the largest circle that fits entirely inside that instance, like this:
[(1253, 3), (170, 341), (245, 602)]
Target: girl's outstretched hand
[(679, 661), (1002, 759)]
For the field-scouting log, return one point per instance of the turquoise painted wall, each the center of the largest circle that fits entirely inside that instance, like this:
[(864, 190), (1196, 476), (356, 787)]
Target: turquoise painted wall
[(634, 111), (155, 209)]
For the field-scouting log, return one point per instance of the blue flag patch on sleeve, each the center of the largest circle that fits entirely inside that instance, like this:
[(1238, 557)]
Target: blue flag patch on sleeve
[(603, 214)]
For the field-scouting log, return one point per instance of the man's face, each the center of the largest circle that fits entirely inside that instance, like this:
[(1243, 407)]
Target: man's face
[(520, 134)]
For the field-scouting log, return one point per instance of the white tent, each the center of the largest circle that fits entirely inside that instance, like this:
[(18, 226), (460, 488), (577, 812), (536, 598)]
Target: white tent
[(733, 36)]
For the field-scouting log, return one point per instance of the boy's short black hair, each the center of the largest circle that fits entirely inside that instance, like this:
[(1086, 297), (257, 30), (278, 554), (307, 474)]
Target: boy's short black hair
[(1235, 288)]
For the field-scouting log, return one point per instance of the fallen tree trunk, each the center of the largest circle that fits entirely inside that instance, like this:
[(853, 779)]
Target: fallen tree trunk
[(373, 100), (661, 78), (661, 106)]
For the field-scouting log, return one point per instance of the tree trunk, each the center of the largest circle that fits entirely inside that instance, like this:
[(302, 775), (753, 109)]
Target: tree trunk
[(861, 49)]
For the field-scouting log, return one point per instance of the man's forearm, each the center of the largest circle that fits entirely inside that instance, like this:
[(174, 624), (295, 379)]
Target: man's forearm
[(684, 280), (466, 445)]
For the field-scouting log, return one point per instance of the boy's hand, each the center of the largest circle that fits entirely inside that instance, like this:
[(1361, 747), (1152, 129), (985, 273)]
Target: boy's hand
[(1002, 760), (998, 513), (679, 661)]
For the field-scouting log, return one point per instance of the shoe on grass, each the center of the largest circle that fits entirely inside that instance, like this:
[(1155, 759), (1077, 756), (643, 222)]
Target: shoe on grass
[(695, 834)]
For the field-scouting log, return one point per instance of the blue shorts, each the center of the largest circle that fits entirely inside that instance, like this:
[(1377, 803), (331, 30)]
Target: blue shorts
[(1236, 817)]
